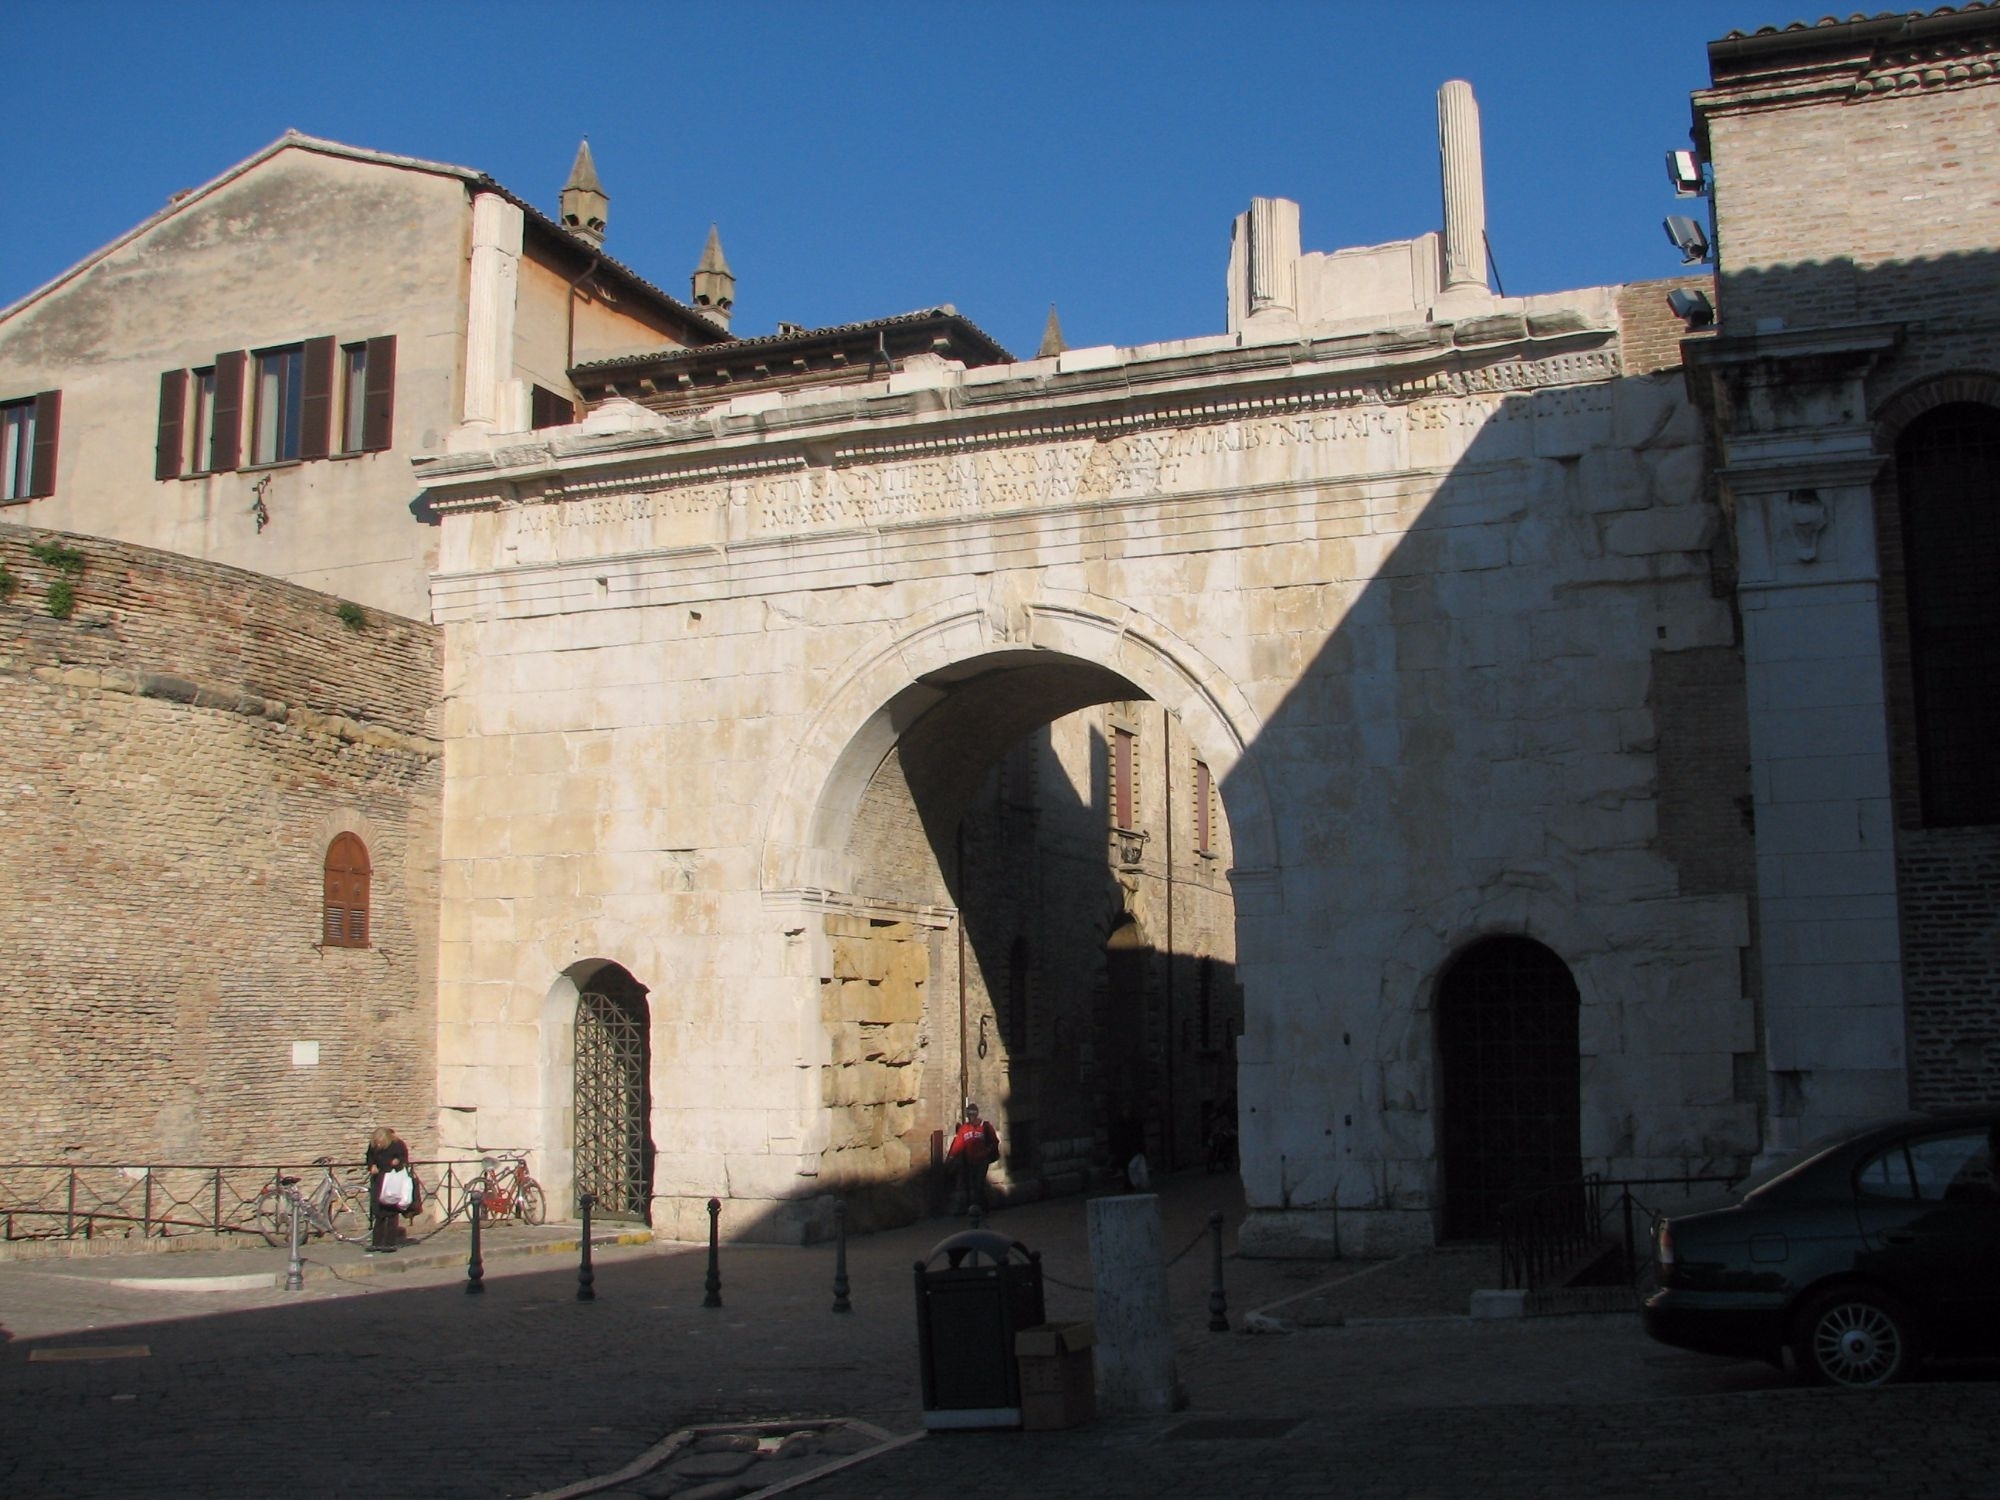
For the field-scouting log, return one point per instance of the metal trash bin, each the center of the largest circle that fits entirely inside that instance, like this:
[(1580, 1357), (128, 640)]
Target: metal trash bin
[(968, 1311)]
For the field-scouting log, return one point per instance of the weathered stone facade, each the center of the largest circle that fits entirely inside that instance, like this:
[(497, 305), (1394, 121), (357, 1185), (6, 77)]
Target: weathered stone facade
[(1405, 592), (177, 755)]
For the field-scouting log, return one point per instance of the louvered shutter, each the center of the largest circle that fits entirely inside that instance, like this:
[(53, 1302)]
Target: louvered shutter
[(378, 407), (316, 400), (344, 911), (225, 448), (173, 403), (1122, 748), (48, 412)]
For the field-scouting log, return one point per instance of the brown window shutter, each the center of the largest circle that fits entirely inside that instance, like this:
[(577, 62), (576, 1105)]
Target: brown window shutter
[(48, 412), (1122, 748), (344, 909), (225, 449), (378, 408), (173, 402), (316, 401)]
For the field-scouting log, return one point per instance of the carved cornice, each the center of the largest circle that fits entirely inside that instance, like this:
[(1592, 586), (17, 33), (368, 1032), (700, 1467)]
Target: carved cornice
[(1037, 413)]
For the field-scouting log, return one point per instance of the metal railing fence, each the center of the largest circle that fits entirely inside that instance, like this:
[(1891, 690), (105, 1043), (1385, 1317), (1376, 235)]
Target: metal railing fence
[(1552, 1233), (161, 1200)]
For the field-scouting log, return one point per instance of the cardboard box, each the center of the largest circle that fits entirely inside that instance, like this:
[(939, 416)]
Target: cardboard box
[(1058, 1375)]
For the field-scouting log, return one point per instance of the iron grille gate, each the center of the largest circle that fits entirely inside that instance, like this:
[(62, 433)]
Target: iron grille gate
[(1509, 1080), (611, 1106)]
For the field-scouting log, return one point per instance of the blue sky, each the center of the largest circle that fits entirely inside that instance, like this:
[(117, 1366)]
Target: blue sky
[(869, 159)]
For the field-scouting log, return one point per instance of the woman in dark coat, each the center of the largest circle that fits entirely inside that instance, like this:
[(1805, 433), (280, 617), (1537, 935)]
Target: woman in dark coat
[(386, 1153)]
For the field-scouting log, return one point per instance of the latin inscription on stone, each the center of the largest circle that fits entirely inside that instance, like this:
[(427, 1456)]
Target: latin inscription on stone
[(1280, 449)]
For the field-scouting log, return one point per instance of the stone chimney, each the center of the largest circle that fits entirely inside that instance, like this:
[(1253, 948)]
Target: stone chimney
[(714, 286), (585, 207)]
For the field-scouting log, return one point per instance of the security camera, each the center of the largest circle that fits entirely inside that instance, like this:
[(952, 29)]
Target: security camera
[(1684, 172), (1691, 307), (1688, 238)]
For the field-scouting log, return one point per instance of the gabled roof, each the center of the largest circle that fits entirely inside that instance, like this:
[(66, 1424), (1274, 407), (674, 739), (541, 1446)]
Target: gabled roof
[(475, 181)]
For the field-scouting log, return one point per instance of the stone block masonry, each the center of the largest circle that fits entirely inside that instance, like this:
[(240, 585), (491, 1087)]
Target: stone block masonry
[(175, 758)]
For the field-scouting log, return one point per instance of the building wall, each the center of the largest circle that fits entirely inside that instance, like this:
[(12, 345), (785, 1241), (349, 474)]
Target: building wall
[(1853, 192), (175, 757), (305, 245), (1410, 611)]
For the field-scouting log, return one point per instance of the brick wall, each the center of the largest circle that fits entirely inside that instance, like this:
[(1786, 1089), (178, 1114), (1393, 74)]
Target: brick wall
[(1951, 963), (1875, 206), (174, 758), (1650, 336)]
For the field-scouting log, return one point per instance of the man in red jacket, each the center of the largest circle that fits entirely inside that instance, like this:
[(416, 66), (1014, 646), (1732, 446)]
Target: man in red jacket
[(974, 1145)]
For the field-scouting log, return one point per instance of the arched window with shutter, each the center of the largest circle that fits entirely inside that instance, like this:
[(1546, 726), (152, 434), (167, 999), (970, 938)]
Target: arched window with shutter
[(345, 909)]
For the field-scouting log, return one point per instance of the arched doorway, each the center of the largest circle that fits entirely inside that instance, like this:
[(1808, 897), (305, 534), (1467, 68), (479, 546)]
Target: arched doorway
[(1508, 1080), (614, 1154)]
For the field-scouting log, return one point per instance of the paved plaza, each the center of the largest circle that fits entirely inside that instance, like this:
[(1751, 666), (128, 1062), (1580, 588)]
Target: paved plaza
[(197, 1375)]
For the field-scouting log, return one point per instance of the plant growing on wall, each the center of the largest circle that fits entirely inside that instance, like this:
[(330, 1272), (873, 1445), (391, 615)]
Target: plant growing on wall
[(8, 582), (67, 563), (351, 614)]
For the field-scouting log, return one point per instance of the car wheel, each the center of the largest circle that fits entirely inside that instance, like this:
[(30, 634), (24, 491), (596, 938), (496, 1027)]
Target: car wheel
[(1855, 1336)]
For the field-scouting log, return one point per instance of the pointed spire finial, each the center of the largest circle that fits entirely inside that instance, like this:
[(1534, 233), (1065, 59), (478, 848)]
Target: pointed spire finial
[(583, 171), (711, 253), (586, 207), (1052, 337), (713, 283)]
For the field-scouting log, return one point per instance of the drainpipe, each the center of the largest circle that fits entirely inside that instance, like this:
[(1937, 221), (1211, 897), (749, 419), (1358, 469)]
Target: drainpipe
[(964, 1066), (569, 306), (1167, 811)]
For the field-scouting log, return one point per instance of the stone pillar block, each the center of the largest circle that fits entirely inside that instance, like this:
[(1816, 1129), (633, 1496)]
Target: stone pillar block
[(1135, 1344)]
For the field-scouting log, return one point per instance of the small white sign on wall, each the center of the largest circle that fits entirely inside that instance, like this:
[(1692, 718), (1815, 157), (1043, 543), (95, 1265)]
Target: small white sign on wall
[(305, 1054)]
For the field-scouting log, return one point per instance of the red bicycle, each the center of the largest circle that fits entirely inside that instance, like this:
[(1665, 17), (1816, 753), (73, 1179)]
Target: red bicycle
[(503, 1188)]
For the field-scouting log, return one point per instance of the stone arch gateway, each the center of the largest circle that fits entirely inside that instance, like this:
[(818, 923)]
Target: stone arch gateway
[(725, 683)]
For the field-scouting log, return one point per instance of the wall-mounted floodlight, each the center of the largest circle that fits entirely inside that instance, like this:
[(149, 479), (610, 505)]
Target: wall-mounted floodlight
[(1688, 238), (1692, 307), (1684, 171)]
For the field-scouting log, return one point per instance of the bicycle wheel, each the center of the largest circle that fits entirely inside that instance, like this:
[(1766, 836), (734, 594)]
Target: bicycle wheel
[(347, 1211), (272, 1214), (529, 1206)]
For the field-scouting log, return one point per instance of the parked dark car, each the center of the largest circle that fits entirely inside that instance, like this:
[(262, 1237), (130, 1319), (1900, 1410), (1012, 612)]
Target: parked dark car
[(1857, 1258)]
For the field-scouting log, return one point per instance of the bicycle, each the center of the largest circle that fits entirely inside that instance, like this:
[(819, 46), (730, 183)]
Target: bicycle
[(504, 1187), (321, 1210)]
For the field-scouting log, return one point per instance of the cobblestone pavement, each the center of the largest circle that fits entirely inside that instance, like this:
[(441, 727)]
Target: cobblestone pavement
[(398, 1384)]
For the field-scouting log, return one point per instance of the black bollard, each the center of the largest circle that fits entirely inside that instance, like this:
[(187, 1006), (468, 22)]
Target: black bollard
[(585, 1277), (840, 1302), (475, 1268), (1218, 1303), (714, 1297)]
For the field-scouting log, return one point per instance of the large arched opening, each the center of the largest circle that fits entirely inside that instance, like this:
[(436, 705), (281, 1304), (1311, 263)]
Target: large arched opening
[(1024, 856)]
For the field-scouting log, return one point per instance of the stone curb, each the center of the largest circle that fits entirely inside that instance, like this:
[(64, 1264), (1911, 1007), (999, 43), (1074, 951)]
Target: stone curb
[(359, 1269)]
